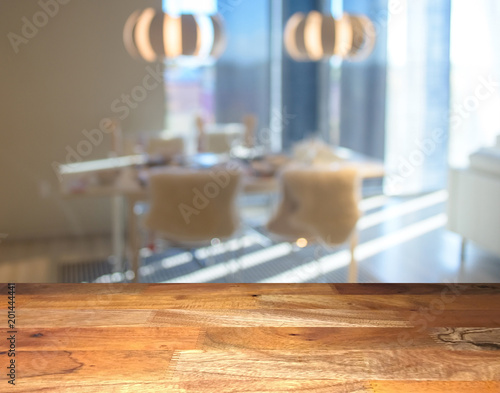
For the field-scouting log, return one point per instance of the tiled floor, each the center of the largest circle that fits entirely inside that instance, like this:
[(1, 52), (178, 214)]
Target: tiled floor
[(401, 240)]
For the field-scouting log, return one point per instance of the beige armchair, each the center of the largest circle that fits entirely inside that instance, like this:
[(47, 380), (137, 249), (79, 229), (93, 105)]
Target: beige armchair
[(193, 205), (319, 204), (189, 208)]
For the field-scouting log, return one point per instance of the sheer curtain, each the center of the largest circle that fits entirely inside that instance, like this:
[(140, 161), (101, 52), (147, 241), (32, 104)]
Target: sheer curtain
[(226, 89), (475, 77), (416, 145)]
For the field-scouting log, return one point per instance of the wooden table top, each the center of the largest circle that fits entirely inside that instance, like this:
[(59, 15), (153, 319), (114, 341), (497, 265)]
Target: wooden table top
[(254, 338), (80, 179)]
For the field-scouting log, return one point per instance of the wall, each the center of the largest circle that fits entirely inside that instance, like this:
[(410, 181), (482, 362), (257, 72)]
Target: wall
[(62, 81)]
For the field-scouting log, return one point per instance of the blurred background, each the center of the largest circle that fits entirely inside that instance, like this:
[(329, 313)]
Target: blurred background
[(422, 103)]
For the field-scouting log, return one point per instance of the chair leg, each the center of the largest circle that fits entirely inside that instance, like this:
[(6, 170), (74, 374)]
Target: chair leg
[(353, 267)]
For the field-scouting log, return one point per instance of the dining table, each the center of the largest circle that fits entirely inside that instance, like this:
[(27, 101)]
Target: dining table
[(124, 179), (253, 338)]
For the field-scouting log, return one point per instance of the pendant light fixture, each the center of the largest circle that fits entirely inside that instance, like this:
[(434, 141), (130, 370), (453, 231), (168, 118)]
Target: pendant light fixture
[(363, 37), (315, 36), (156, 35)]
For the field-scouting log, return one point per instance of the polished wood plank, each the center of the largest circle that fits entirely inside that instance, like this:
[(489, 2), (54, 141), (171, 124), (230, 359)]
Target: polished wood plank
[(454, 318), (252, 301), (312, 338), (240, 386), (56, 368), (281, 317), (270, 385), (414, 289), (202, 289), (143, 302), (32, 318), (106, 339), (41, 318), (392, 364), (434, 387), (377, 302)]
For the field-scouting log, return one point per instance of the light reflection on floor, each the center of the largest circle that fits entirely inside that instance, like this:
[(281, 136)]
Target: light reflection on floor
[(401, 240)]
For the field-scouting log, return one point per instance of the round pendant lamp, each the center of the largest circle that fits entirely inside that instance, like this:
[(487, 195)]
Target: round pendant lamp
[(317, 36), (363, 37), (155, 35)]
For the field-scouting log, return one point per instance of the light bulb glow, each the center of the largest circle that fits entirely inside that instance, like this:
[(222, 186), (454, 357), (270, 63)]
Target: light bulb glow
[(312, 35), (142, 30), (205, 41), (290, 36), (172, 35), (301, 243)]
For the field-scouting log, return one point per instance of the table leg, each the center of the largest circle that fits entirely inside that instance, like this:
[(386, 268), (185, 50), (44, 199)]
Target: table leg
[(133, 238), (117, 231)]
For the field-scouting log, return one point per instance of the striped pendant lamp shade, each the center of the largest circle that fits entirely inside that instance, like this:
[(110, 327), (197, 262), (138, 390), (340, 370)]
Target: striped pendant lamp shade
[(317, 36), (154, 35), (363, 37)]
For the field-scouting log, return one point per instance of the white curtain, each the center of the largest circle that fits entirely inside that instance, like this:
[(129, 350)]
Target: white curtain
[(418, 96), (475, 77)]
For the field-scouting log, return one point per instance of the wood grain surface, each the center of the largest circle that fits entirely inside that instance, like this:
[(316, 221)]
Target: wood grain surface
[(254, 338)]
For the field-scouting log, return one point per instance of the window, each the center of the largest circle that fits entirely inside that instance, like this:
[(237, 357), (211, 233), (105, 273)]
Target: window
[(189, 83), (235, 85)]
